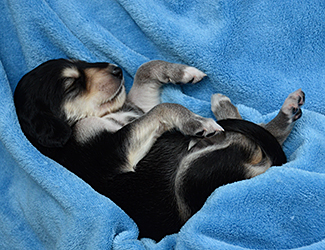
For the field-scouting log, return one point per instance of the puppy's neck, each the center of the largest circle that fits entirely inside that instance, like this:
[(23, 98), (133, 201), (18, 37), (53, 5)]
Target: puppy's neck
[(89, 127)]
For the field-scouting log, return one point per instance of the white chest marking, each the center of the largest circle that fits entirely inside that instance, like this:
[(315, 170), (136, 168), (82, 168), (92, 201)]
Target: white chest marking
[(90, 126)]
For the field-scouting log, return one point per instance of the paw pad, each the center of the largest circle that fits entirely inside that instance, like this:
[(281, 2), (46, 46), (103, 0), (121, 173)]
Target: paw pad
[(292, 105)]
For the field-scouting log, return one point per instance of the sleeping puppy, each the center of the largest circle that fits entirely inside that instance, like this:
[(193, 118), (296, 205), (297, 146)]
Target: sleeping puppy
[(158, 162)]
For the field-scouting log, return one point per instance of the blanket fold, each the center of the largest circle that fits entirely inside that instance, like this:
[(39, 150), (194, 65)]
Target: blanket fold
[(255, 52)]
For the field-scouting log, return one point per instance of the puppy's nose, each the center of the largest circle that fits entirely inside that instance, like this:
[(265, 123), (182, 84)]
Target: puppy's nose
[(117, 72)]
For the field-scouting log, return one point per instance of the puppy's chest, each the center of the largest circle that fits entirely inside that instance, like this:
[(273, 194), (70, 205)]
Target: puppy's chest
[(121, 118), (92, 126)]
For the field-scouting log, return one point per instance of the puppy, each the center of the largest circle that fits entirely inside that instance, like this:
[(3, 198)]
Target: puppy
[(158, 162)]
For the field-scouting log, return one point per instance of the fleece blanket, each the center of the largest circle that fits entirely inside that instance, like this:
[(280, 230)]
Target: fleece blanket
[(254, 51)]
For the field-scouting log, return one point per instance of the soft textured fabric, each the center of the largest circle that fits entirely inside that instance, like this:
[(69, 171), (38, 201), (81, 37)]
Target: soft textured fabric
[(255, 51)]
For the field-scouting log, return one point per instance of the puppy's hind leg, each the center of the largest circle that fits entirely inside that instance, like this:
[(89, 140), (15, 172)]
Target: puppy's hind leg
[(222, 108), (281, 126)]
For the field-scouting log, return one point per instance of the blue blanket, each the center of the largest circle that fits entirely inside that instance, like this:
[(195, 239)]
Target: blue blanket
[(255, 52)]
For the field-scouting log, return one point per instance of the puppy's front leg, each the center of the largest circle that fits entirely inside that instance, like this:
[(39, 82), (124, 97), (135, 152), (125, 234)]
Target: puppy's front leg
[(142, 133), (145, 92)]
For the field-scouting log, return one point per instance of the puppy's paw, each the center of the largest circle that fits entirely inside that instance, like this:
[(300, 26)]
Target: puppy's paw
[(217, 99), (292, 105), (166, 72), (192, 75), (182, 74), (201, 127), (222, 107)]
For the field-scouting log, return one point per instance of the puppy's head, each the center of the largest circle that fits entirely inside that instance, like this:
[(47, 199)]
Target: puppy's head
[(58, 93)]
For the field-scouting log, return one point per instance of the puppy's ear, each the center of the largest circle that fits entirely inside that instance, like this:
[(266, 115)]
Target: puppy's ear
[(49, 131), (43, 129), (38, 98)]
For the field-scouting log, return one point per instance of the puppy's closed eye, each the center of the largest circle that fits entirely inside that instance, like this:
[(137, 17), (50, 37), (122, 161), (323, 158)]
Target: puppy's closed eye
[(68, 84), (73, 87), (74, 83)]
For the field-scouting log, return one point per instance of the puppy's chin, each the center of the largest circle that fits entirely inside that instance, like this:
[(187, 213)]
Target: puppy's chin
[(112, 104), (94, 106)]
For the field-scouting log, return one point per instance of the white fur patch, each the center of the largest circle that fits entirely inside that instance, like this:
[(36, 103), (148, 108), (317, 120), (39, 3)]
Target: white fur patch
[(89, 127), (70, 73), (122, 117)]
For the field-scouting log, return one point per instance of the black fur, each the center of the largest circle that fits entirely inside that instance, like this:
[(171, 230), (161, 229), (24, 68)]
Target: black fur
[(38, 99), (260, 136)]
